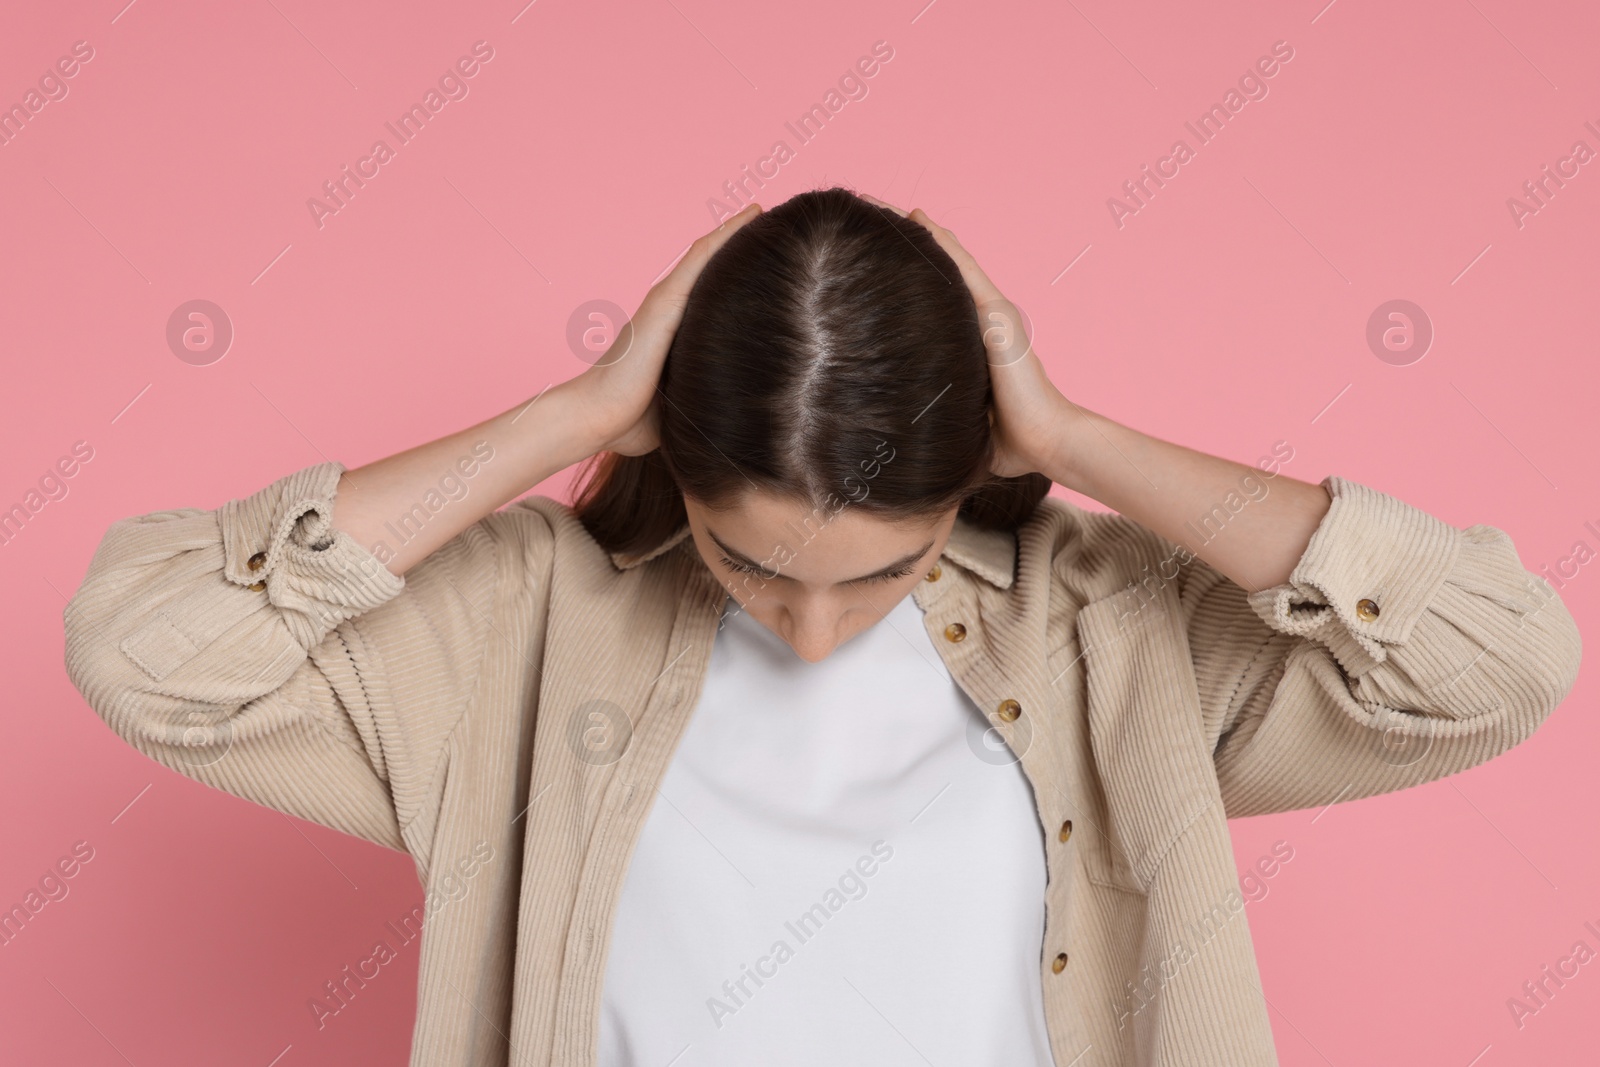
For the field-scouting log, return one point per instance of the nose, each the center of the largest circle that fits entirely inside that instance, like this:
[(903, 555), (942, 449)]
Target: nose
[(813, 633)]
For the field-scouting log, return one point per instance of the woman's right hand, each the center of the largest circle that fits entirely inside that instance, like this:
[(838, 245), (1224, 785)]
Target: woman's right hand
[(617, 395), (608, 408)]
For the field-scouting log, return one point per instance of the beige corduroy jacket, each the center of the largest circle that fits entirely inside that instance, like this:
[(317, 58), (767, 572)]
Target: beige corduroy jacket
[(505, 711)]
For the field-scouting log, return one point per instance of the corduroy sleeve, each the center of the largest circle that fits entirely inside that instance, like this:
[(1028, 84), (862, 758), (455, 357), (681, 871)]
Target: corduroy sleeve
[(225, 645), (1401, 649)]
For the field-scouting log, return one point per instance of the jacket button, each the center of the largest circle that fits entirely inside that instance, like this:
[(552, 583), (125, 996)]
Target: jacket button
[(955, 632), (933, 575), (1059, 964), (1367, 609), (1066, 830), (1008, 710), (256, 561), (258, 586)]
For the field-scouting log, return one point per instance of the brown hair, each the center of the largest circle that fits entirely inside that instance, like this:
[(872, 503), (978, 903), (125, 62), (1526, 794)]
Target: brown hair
[(828, 351)]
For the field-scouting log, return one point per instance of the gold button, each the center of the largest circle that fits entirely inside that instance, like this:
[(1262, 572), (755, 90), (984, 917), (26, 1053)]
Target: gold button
[(1367, 609), (955, 632), (1059, 964), (256, 561), (1008, 710), (257, 587), (933, 575), (1066, 830)]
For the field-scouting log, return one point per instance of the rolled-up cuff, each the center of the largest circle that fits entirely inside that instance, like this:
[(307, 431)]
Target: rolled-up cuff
[(1371, 570), (316, 575)]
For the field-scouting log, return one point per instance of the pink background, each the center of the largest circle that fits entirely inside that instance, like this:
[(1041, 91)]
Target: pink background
[(1227, 314)]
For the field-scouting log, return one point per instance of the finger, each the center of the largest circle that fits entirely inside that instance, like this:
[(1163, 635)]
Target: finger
[(886, 206), (983, 290)]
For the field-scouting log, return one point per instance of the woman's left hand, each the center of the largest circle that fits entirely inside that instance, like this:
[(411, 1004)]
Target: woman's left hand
[(1030, 414)]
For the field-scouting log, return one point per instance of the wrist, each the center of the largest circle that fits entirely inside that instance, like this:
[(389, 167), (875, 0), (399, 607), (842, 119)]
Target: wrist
[(1073, 444), (553, 429), (576, 420)]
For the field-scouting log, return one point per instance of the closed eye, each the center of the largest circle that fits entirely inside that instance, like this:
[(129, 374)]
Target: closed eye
[(892, 575), (887, 577), (742, 569)]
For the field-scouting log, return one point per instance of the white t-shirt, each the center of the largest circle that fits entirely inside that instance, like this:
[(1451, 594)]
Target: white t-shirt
[(843, 866)]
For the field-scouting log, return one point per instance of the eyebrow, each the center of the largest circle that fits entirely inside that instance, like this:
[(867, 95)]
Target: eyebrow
[(899, 564)]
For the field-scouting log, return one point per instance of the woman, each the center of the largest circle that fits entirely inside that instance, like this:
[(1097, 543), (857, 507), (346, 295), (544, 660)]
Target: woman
[(687, 775)]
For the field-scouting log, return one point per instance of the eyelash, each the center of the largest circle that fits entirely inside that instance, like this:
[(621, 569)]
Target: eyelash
[(891, 576)]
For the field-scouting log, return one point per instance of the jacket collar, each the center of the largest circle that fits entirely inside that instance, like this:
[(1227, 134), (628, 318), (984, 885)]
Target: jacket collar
[(990, 554)]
